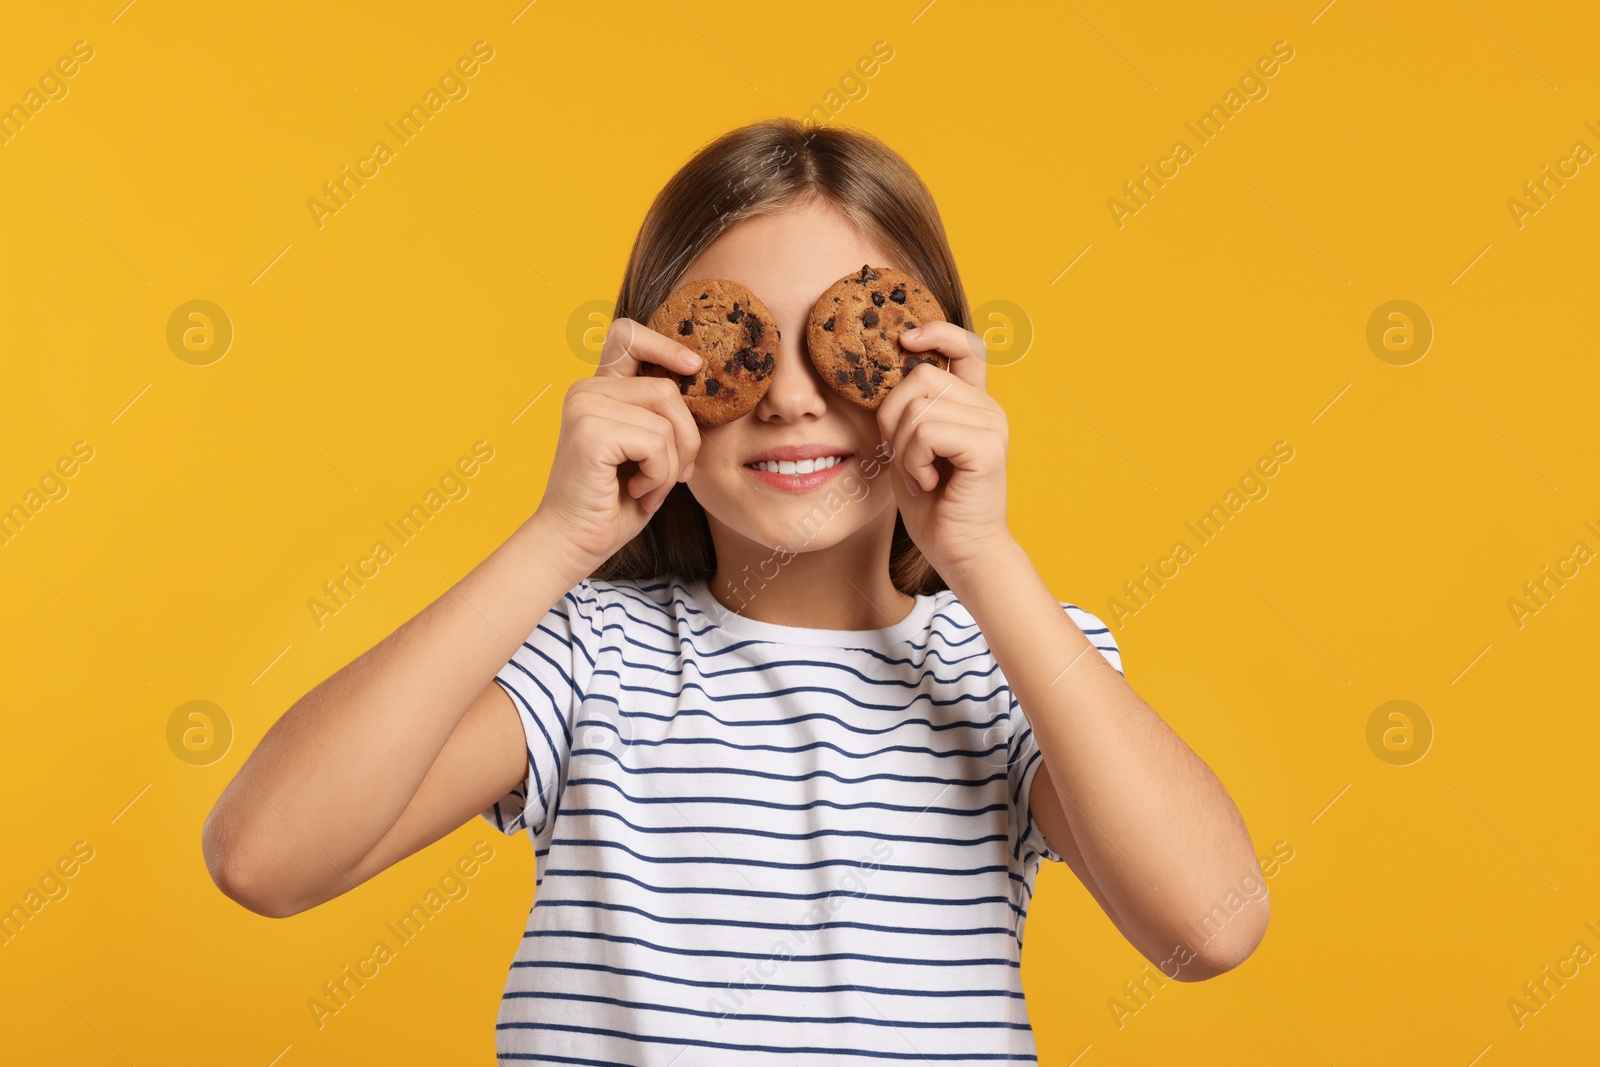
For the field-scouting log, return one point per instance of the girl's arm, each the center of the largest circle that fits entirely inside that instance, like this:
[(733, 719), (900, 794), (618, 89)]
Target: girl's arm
[(403, 745), (1142, 820), (1138, 816), (413, 738)]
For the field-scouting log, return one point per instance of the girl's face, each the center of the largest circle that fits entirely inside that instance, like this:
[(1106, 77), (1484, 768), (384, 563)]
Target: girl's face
[(788, 259)]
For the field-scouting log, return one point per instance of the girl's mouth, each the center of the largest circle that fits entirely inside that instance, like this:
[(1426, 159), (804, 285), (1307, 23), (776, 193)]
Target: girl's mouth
[(798, 476)]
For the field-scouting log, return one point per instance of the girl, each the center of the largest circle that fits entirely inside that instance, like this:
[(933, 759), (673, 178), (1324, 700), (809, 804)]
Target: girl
[(790, 747)]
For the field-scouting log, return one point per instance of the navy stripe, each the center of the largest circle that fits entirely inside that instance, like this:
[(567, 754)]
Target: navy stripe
[(822, 957), (753, 924), (749, 1016), (646, 624), (761, 668), (1016, 794), (775, 776), (561, 642), (848, 987), (677, 603), (809, 1050), (769, 693), (756, 646), (921, 749), (698, 829), (743, 862), (578, 872), (681, 712), (533, 764), (938, 616), (787, 807)]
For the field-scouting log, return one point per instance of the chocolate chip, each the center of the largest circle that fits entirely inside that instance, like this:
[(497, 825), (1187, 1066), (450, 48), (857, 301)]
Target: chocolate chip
[(899, 294), (712, 385), (737, 313), (684, 381), (853, 357), (753, 327), (749, 359), (867, 274), (841, 376), (910, 325), (869, 318), (686, 327), (769, 363), (829, 324), (877, 300), (702, 296)]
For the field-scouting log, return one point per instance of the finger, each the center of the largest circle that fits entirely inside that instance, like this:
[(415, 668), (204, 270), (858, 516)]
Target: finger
[(968, 354), (924, 389), (651, 447), (956, 433), (629, 344), (650, 396), (656, 489), (649, 483)]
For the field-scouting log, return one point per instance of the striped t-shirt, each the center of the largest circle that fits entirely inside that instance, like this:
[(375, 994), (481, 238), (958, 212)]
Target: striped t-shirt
[(768, 844)]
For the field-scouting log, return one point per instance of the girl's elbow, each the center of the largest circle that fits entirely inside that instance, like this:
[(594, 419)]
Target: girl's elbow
[(241, 878), (1227, 951)]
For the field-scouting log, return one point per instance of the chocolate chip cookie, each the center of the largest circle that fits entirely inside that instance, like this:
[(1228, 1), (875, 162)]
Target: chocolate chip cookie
[(729, 326), (854, 333)]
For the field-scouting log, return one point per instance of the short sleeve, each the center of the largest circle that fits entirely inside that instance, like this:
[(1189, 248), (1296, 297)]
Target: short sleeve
[(1025, 756), (545, 679)]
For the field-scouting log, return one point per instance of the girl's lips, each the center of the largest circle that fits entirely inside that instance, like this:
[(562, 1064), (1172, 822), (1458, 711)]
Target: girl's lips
[(798, 483)]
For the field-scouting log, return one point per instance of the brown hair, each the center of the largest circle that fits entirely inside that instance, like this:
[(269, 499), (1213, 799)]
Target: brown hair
[(759, 169)]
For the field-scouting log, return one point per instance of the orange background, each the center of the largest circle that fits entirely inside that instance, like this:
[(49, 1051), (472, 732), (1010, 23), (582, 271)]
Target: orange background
[(1167, 355)]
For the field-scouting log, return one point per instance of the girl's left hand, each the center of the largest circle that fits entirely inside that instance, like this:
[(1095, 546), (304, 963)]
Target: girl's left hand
[(946, 454)]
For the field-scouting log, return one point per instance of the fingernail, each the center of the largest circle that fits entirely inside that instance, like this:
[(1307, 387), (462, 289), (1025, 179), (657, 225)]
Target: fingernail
[(693, 359), (911, 333)]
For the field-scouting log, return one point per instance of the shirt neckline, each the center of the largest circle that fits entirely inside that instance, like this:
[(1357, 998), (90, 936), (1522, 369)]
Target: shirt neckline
[(913, 626)]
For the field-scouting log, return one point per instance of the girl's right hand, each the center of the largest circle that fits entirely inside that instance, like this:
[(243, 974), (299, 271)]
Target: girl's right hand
[(626, 439)]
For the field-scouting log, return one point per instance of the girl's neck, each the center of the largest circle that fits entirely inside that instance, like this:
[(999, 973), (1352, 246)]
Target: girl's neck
[(842, 587)]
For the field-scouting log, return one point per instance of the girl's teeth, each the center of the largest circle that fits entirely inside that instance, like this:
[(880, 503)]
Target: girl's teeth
[(804, 466)]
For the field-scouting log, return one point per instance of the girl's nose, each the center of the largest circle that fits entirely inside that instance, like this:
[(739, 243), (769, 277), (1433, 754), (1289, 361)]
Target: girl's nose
[(796, 388)]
